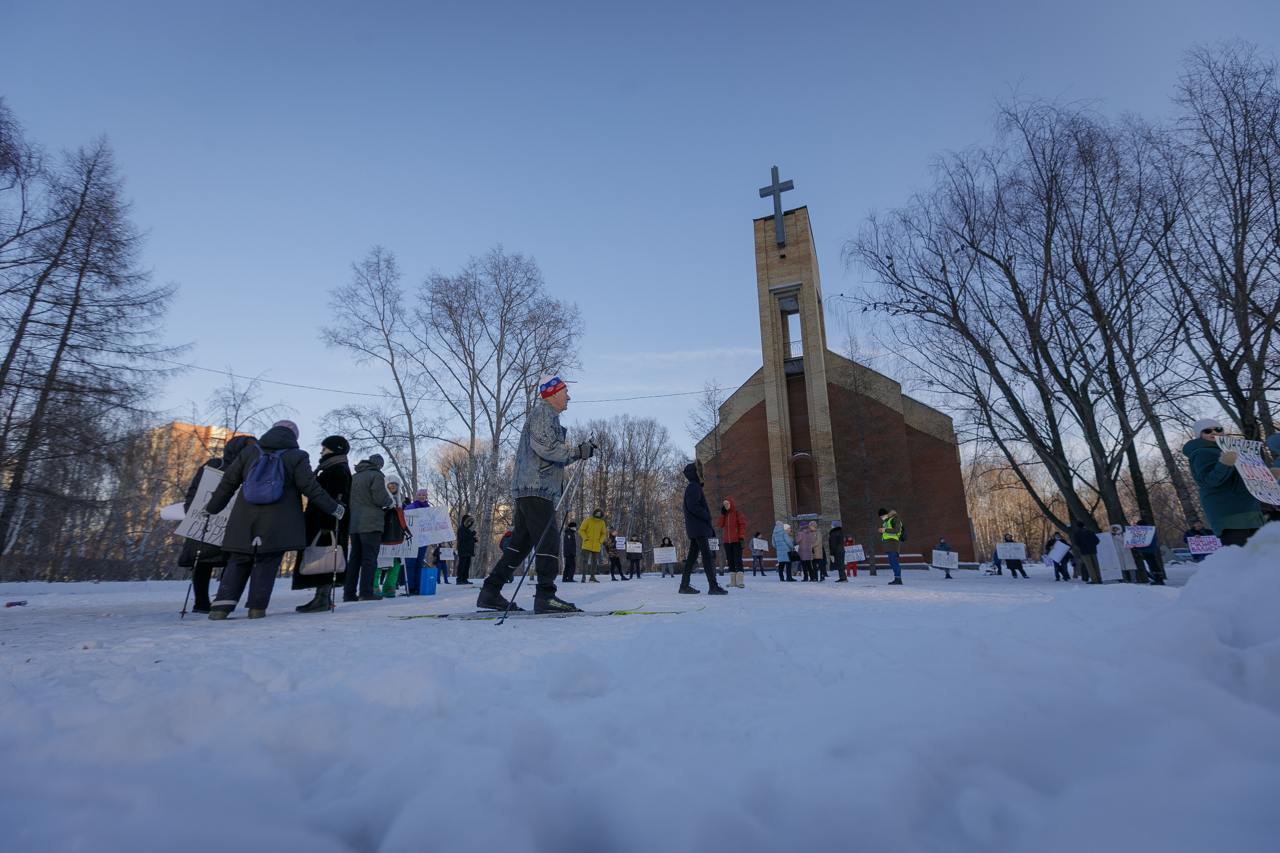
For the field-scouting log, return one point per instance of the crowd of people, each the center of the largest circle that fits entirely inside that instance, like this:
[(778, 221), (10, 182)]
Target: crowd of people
[(358, 512)]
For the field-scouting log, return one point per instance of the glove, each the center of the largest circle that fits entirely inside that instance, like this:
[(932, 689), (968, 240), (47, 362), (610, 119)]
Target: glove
[(339, 512), (586, 450), (1228, 457)]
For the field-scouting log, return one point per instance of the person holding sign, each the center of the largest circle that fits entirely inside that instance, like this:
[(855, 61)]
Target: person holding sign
[(537, 484), (201, 557), (1196, 531), (635, 556), (1086, 542), (1149, 560), (891, 541), (945, 548), (697, 524), (1059, 563), (758, 549), (611, 551), (266, 521), (668, 569), (1014, 565), (1234, 513)]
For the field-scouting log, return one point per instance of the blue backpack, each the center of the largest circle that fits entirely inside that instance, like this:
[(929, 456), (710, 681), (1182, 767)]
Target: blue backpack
[(264, 484)]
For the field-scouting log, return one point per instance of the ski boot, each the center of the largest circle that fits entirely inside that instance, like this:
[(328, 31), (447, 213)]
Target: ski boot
[(553, 604), (685, 589), (257, 612), (493, 600)]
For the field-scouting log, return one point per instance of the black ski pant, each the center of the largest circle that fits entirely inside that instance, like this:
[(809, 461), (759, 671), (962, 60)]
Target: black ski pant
[(533, 527), (1060, 571), (698, 546), (633, 568), (783, 566), (1153, 563), (615, 568), (200, 576), (838, 567), (462, 569), (362, 564), (733, 556), (570, 566), (258, 571), (806, 566), (1015, 566)]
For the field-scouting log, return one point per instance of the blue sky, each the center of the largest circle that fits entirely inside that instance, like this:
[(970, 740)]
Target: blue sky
[(268, 145)]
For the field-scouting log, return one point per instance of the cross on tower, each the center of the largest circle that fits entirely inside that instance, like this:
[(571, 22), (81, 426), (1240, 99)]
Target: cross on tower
[(776, 189)]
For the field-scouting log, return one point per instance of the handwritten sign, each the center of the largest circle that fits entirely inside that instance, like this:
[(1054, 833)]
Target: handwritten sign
[(1138, 536), (620, 542), (1203, 544), (759, 545), (714, 545), (1059, 551), (854, 554), (198, 524), (1011, 550), (430, 525), (448, 554), (1255, 473), (945, 560), (663, 556), (635, 548)]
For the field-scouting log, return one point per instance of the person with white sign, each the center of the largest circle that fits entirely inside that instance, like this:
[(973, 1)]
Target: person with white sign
[(635, 558), (944, 548), (611, 549), (203, 557), (697, 524), (1196, 530), (1233, 512), (1056, 553), (1013, 561), (266, 521), (1147, 556), (759, 548), (1086, 543)]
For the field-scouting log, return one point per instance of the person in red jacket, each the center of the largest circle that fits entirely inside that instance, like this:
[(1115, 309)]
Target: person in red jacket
[(733, 529)]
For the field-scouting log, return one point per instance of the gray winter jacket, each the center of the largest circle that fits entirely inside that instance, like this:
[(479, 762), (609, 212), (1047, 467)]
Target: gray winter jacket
[(541, 455), (277, 526), (369, 496)]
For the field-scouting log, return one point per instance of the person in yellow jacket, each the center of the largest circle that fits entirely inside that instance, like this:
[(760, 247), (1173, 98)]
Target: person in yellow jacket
[(592, 531), (891, 541)]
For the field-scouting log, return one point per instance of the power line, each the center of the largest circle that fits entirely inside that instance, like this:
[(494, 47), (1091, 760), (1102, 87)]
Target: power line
[(383, 396)]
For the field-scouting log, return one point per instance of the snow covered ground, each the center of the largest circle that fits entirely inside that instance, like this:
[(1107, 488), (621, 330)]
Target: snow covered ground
[(981, 714)]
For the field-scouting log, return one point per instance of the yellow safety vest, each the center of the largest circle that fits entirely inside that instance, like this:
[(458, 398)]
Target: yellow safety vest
[(887, 531)]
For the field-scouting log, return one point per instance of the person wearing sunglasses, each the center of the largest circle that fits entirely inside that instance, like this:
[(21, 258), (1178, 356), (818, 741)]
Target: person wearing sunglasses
[(1233, 513)]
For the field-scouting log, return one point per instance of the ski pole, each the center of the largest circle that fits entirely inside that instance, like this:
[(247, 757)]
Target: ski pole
[(191, 581), (573, 483)]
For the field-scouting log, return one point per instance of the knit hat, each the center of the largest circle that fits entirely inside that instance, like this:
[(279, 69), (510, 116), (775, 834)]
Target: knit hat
[(289, 425), (337, 444), (882, 512), (550, 385), (1204, 424), (420, 494)]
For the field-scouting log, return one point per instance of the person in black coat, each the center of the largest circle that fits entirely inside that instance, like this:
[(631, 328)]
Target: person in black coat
[(259, 535), (466, 550), (569, 551), (697, 524), (1086, 542), (835, 551), (333, 473), (201, 557)]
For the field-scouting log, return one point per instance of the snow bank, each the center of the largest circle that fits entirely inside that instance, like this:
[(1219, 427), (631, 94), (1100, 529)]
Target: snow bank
[(983, 714)]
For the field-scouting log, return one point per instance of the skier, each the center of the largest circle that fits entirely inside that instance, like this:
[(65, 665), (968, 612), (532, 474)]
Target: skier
[(259, 534), (1233, 512), (537, 484), (592, 531), (697, 524), (369, 501), (835, 549), (891, 541)]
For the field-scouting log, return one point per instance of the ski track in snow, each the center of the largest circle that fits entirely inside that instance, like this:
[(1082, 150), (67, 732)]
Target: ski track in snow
[(980, 714)]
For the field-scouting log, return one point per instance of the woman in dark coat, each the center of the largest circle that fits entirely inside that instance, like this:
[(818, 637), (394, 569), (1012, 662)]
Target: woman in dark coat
[(200, 557), (334, 476)]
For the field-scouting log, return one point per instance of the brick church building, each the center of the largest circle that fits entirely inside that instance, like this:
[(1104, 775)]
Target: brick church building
[(813, 435)]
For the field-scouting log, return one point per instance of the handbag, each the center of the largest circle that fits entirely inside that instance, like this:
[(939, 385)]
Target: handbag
[(393, 527), (320, 559)]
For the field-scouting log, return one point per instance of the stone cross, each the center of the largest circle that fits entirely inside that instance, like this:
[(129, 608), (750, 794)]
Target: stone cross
[(776, 189)]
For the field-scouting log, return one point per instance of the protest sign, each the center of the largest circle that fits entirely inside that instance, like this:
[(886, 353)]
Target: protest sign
[(1255, 473), (635, 548), (1203, 544), (1109, 561), (662, 556), (1059, 552), (448, 554), (945, 560), (1138, 536), (759, 545), (620, 542), (714, 545), (430, 525), (854, 554), (198, 524), (1011, 550)]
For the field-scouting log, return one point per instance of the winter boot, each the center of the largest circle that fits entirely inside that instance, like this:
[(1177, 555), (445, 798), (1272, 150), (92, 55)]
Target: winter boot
[(685, 589), (220, 613), (494, 600), (553, 604), (370, 596), (896, 582), (595, 579), (257, 612), (320, 602), (717, 590)]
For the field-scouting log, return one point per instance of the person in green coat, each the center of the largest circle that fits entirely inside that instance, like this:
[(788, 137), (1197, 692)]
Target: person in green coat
[(1233, 513)]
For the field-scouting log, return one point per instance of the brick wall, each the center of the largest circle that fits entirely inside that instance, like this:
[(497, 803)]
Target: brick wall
[(743, 473), (939, 508)]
